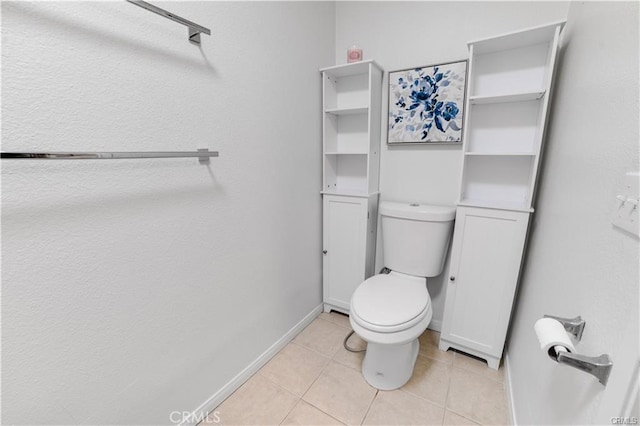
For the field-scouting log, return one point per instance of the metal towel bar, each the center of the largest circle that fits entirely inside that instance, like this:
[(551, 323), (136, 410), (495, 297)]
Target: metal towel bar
[(203, 155), (194, 29)]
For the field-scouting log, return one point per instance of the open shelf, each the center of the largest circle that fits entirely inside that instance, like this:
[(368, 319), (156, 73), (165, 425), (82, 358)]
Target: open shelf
[(526, 37), (491, 181), (347, 111), (518, 70), (512, 97), (350, 92), (346, 133), (504, 127), (346, 174)]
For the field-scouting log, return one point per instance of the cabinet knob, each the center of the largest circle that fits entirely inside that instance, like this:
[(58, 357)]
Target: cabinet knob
[(324, 252), (452, 278)]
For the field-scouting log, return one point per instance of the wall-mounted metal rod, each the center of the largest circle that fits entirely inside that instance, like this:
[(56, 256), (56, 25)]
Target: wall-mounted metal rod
[(194, 29), (202, 154), (598, 366), (573, 326)]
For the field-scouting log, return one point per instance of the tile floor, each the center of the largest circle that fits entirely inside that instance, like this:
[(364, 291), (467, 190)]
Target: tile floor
[(315, 381)]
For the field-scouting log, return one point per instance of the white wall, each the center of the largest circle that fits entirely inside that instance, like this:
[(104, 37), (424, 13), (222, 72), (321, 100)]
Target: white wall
[(402, 35), (135, 288), (578, 263)]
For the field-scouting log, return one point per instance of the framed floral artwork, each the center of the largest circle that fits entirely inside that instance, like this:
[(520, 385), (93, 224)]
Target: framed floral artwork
[(426, 104)]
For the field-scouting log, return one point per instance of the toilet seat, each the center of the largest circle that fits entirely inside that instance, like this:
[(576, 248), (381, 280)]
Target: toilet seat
[(389, 303)]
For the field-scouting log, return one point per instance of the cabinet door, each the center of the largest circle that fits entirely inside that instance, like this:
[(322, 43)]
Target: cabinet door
[(485, 265), (344, 240)]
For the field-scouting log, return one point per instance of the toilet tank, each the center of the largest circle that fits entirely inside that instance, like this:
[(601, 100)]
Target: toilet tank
[(415, 237)]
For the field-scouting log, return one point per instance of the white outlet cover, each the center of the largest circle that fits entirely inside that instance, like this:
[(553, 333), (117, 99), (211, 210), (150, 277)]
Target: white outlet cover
[(625, 210)]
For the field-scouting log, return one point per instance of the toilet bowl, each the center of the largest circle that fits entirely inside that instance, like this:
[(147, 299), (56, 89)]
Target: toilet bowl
[(390, 311)]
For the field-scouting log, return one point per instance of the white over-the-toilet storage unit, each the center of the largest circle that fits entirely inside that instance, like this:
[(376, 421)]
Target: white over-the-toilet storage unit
[(509, 89), (351, 96)]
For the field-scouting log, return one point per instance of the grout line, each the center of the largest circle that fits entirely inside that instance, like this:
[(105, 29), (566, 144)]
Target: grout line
[(290, 410), (437, 404), (446, 398), (324, 412), (319, 375), (300, 345), (370, 405), (314, 382), (465, 416), (257, 373)]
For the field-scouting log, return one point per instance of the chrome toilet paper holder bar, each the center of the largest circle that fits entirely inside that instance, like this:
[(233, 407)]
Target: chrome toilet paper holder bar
[(574, 326), (598, 366)]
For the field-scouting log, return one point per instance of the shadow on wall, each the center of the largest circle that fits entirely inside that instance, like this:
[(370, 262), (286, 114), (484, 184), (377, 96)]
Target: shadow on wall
[(45, 15), (94, 195)]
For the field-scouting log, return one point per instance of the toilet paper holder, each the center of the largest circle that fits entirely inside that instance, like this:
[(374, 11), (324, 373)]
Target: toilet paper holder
[(598, 366), (574, 326)]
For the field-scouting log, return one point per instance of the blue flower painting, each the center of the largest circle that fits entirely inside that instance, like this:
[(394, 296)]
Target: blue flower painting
[(426, 104)]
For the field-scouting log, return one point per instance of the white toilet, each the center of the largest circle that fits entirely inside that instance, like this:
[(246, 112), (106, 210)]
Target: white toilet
[(390, 311)]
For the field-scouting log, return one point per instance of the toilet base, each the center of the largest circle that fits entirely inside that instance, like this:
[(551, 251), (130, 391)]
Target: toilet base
[(388, 367)]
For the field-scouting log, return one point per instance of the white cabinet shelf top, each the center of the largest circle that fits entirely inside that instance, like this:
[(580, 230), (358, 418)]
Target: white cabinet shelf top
[(354, 68), (346, 153), (350, 193), (512, 206), (347, 111), (509, 97), (513, 40)]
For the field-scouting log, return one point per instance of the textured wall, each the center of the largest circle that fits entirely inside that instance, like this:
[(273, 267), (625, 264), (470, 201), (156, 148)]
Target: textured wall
[(135, 288), (402, 35), (578, 263)]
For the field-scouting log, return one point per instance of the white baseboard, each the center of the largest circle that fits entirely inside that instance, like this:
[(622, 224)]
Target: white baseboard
[(509, 385), (435, 325), (216, 399)]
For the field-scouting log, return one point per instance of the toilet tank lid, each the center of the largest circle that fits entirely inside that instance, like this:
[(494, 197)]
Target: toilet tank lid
[(416, 211)]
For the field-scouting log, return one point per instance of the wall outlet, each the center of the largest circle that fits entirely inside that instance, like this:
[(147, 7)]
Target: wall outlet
[(625, 211)]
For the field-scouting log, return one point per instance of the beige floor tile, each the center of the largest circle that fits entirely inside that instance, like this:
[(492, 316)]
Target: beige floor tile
[(342, 393), (430, 380), (351, 359), (478, 366), (478, 398), (429, 347), (295, 368), (401, 408), (306, 414), (257, 402), (339, 319), (322, 336), (453, 419), (430, 336)]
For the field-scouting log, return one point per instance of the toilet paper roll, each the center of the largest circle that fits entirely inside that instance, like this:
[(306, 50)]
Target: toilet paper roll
[(553, 337)]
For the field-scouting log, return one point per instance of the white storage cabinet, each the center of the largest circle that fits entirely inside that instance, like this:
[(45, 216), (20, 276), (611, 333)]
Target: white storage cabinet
[(351, 163), (485, 263), (509, 85)]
